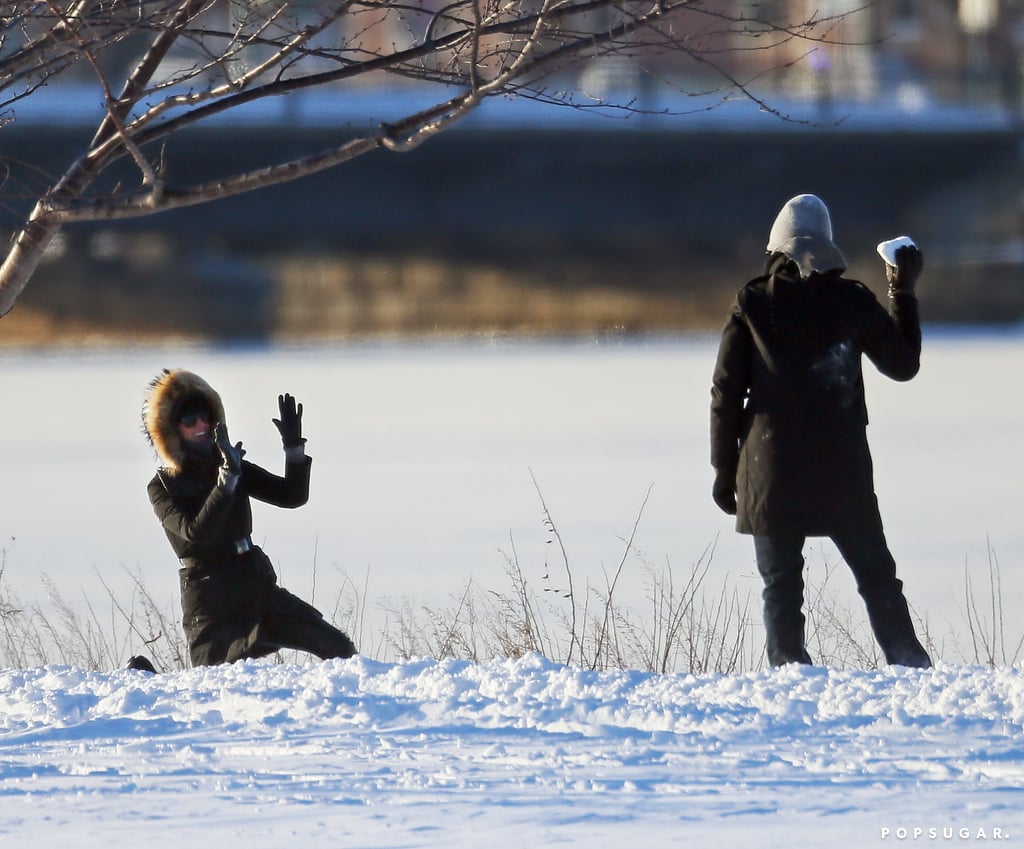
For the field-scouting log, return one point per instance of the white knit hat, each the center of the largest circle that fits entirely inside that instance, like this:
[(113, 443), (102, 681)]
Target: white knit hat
[(803, 232)]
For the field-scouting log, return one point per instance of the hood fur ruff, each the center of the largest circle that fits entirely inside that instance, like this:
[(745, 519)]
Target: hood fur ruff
[(164, 397)]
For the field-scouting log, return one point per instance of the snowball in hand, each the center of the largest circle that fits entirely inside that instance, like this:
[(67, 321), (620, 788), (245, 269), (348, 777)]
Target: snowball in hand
[(887, 250)]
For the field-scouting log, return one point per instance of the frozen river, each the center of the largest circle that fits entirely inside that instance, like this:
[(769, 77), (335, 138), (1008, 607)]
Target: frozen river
[(425, 454)]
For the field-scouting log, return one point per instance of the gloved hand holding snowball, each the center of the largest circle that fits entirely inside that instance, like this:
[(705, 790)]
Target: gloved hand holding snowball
[(903, 264)]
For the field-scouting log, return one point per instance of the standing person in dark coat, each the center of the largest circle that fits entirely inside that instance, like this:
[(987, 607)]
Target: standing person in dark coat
[(788, 423), (232, 605)]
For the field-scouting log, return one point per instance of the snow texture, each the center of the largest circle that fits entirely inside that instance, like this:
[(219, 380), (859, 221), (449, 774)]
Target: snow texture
[(510, 753), (887, 249), (838, 372)]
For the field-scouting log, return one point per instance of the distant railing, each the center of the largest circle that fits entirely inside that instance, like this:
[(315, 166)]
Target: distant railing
[(906, 109)]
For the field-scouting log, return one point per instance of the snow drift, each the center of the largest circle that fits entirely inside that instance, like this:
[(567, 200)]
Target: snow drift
[(510, 753)]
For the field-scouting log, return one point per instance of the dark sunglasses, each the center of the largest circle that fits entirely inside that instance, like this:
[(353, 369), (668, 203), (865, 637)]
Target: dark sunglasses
[(192, 419)]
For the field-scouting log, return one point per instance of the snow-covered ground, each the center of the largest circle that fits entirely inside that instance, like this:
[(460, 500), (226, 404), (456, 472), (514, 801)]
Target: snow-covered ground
[(509, 754)]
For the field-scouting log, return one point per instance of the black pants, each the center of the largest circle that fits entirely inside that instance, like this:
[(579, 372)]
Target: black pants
[(780, 562), (285, 630), (275, 619)]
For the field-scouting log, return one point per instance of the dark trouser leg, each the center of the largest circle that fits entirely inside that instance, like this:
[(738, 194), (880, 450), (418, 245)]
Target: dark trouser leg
[(868, 556), (287, 622), (316, 636), (781, 564)]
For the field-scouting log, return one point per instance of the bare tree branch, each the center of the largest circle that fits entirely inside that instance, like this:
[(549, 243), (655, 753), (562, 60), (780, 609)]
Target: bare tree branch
[(201, 59), (149, 177)]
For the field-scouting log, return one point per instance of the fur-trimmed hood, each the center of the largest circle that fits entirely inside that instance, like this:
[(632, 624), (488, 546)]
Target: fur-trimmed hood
[(163, 400)]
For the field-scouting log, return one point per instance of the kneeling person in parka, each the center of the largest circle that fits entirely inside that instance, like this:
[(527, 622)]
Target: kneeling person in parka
[(232, 605)]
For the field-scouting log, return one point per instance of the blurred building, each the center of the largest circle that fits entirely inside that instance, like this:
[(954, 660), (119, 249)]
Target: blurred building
[(905, 50), (945, 50)]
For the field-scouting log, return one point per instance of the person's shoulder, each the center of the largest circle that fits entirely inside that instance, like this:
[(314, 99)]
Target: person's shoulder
[(841, 282), (855, 290), (159, 483), (169, 481), (752, 290)]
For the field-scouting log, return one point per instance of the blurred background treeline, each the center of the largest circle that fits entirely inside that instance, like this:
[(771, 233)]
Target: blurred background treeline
[(553, 219)]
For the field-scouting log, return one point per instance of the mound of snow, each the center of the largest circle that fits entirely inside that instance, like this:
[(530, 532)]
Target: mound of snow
[(508, 754)]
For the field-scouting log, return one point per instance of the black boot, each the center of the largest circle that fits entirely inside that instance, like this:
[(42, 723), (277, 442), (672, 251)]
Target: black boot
[(894, 630), (909, 655), (784, 632), (141, 663), (781, 563), (874, 569)]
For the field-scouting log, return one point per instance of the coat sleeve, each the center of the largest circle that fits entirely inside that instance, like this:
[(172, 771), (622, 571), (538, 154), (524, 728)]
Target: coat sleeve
[(202, 525), (730, 385), (292, 490), (893, 338)]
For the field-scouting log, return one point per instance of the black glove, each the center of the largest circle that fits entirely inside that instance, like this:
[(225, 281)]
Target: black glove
[(290, 423), (231, 456), (723, 491), (903, 276)]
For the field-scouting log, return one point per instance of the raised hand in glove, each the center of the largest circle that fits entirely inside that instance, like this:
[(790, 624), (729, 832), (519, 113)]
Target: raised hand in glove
[(723, 491), (231, 457), (903, 276), (290, 423)]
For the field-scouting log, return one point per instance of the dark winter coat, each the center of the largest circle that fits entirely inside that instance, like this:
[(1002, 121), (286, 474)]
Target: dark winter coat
[(788, 413), (225, 591), (227, 584)]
